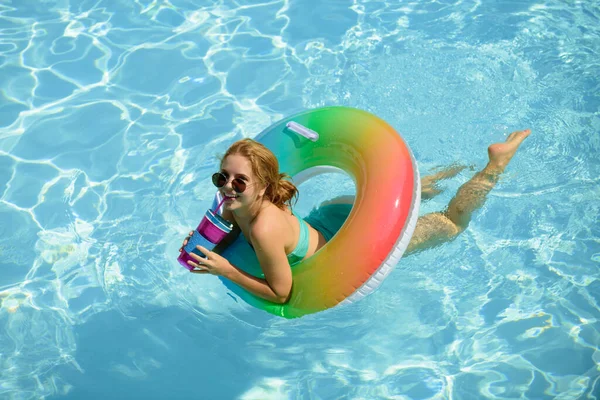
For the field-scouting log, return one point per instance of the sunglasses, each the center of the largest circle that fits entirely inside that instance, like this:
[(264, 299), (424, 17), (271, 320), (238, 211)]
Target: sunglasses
[(219, 179)]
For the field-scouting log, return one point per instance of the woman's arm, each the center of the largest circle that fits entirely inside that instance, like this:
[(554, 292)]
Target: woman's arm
[(257, 286), (270, 251), (269, 246)]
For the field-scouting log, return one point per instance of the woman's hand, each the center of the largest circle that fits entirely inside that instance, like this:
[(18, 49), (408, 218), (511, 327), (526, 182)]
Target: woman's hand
[(213, 264)]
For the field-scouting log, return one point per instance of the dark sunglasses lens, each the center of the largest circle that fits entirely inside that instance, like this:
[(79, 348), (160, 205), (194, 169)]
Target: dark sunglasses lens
[(238, 185), (219, 180)]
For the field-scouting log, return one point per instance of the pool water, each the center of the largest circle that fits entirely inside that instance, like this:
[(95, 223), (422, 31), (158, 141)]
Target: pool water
[(112, 116)]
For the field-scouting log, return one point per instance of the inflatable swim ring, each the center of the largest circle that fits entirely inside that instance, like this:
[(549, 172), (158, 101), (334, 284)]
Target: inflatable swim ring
[(382, 220)]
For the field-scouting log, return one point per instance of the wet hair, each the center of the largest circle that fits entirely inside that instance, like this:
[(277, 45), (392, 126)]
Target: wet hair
[(265, 167)]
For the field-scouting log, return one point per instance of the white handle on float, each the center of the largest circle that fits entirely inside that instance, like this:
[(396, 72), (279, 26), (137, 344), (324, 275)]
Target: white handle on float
[(302, 130)]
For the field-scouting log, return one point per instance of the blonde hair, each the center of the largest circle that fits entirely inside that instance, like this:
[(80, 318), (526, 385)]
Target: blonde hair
[(279, 190)]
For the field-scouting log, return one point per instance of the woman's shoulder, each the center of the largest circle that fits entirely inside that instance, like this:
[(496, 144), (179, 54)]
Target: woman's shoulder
[(269, 222)]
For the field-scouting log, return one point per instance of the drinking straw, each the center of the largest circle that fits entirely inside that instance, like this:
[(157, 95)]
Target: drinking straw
[(216, 210)]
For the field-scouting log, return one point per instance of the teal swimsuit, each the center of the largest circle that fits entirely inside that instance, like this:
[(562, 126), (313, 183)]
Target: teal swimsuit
[(301, 248), (327, 219)]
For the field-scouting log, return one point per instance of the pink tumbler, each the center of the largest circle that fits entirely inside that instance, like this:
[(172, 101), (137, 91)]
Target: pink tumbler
[(212, 229)]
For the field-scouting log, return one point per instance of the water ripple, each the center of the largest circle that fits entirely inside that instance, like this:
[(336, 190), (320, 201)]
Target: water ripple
[(112, 116)]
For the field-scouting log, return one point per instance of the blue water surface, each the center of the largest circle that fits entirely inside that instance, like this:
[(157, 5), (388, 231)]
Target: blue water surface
[(112, 116)]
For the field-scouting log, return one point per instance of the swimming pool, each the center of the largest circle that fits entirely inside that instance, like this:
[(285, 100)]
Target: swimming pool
[(111, 118)]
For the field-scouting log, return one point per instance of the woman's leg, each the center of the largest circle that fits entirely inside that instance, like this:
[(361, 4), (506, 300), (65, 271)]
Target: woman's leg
[(429, 188), (436, 228)]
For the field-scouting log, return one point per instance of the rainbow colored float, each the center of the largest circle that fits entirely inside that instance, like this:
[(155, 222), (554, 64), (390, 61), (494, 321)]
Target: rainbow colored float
[(377, 231)]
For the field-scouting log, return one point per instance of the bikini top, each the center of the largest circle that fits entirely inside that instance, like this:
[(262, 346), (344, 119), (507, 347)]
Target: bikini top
[(301, 248)]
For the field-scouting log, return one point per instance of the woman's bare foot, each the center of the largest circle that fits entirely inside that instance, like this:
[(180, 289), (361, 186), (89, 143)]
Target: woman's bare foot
[(501, 153)]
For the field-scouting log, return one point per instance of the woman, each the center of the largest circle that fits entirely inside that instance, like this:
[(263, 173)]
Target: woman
[(258, 203)]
